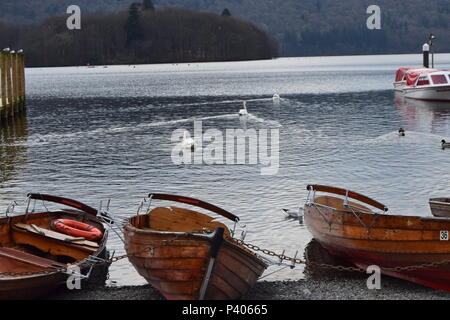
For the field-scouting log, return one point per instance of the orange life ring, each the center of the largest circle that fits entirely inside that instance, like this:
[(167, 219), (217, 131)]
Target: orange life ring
[(77, 229)]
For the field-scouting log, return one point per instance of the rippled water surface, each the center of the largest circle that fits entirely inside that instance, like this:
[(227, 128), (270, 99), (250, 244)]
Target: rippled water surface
[(105, 133)]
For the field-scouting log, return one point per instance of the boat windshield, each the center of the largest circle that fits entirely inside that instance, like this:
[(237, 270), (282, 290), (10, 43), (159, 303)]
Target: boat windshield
[(423, 81), (439, 79)]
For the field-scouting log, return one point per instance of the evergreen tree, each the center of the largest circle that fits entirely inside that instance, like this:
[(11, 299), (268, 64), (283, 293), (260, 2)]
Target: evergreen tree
[(148, 5), (133, 26), (226, 13)]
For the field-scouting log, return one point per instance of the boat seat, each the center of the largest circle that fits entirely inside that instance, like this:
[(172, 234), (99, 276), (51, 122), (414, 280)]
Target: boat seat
[(29, 258), (57, 235)]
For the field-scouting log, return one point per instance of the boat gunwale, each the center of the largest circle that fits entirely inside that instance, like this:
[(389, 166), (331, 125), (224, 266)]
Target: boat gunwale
[(128, 226)]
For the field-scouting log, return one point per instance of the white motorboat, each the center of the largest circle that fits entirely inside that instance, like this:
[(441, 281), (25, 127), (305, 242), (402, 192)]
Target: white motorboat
[(400, 77), (427, 84)]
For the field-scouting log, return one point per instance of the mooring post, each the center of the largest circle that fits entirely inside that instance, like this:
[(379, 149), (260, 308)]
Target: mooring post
[(2, 86), (12, 83), (9, 91), (15, 80), (22, 79), (426, 55)]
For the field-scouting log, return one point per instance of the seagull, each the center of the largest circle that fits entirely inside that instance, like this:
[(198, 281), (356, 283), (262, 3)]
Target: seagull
[(188, 143), (445, 144), (296, 214), (20, 51), (401, 132), (6, 50), (243, 112)]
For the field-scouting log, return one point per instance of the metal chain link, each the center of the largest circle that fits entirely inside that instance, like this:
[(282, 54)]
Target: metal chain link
[(283, 257), (253, 247)]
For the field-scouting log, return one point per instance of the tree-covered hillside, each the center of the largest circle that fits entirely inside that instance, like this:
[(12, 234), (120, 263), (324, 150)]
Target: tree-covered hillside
[(301, 27), (139, 35)]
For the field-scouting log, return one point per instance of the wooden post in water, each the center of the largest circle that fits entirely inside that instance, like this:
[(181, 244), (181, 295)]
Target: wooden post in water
[(15, 83), (22, 80), (12, 84), (2, 86), (9, 89)]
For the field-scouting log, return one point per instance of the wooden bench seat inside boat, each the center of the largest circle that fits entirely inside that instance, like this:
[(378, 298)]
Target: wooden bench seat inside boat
[(13, 259), (175, 219), (56, 235), (53, 242)]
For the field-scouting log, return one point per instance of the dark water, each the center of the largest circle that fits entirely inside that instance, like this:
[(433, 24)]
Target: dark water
[(105, 133)]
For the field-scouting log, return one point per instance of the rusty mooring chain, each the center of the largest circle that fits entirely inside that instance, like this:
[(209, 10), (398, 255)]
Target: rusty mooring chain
[(253, 247), (283, 257)]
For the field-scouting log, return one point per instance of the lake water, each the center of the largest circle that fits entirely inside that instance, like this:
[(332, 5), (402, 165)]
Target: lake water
[(105, 133)]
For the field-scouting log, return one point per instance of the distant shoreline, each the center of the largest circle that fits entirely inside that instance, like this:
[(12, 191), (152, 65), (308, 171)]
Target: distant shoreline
[(240, 61)]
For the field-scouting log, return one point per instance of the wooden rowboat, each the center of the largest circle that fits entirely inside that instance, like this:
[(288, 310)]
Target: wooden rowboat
[(33, 257), (187, 255), (363, 237), (440, 207)]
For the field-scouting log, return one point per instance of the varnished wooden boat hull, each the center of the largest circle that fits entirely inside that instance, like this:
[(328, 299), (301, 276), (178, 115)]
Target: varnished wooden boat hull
[(440, 207), (177, 268), (384, 240), (25, 288)]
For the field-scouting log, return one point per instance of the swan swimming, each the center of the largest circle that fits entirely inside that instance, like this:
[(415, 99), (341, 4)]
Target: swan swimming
[(188, 143), (276, 98), (243, 112)]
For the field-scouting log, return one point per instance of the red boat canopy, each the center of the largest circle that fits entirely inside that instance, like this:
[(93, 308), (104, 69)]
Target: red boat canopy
[(401, 72), (413, 75)]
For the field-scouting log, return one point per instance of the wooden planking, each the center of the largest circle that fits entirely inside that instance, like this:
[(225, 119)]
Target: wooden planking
[(233, 277), (224, 288), (174, 264), (172, 251), (241, 254), (358, 231), (181, 220), (29, 287), (381, 220), (216, 292), (379, 233), (33, 286), (51, 246), (185, 259), (3, 92), (57, 235)]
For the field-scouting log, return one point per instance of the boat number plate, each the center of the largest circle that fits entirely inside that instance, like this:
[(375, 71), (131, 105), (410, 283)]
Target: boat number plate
[(444, 235)]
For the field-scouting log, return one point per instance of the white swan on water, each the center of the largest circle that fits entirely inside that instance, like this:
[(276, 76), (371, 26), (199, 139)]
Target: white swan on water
[(188, 142), (243, 112), (276, 98)]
